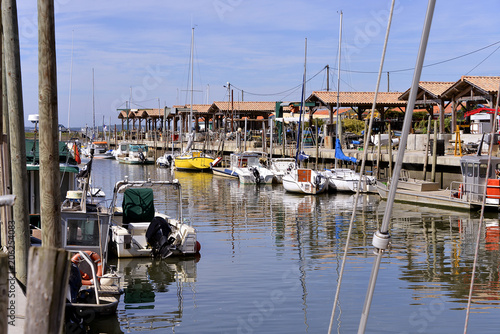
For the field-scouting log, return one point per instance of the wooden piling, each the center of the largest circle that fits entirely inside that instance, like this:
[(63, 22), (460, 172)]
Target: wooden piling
[(390, 149), (46, 291), (50, 202), (4, 293), (434, 154), (378, 156), (426, 150), (17, 138)]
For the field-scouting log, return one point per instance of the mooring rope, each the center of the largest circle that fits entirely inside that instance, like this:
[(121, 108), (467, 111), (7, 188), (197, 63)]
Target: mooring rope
[(362, 170)]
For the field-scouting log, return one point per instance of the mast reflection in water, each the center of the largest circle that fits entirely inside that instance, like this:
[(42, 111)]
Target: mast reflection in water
[(270, 262)]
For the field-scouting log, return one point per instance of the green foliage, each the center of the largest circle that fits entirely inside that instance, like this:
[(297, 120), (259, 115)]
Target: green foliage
[(421, 115), (353, 125)]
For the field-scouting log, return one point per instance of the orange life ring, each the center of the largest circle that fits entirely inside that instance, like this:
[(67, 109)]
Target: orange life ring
[(86, 279), (460, 190)]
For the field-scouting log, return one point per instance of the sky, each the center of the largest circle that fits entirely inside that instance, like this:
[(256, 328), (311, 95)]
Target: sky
[(139, 51)]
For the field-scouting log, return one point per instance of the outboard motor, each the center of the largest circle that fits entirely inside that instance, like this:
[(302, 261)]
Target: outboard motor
[(75, 281), (256, 175), (141, 156), (317, 181), (158, 237), (169, 160)]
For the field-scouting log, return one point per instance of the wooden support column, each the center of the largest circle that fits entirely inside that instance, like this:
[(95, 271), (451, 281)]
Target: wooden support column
[(453, 114), (17, 138), (50, 201), (441, 116), (46, 291), (4, 293)]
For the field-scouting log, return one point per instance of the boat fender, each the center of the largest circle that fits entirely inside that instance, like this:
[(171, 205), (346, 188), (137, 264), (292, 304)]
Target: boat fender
[(86, 279), (460, 190), (198, 246)]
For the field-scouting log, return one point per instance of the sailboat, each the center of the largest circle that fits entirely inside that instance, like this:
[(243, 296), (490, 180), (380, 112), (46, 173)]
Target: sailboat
[(190, 159), (303, 180), (345, 179)]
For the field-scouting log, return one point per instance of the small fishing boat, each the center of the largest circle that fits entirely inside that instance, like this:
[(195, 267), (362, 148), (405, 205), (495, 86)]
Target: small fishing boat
[(85, 226), (247, 167), (165, 161), (133, 154), (305, 181), (347, 180), (139, 230), (464, 195), (280, 167), (193, 160), (101, 150)]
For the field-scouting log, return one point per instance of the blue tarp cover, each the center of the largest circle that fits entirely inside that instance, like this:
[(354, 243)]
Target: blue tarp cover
[(340, 155)]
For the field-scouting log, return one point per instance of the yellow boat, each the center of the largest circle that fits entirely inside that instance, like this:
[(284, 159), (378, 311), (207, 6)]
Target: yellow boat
[(193, 160)]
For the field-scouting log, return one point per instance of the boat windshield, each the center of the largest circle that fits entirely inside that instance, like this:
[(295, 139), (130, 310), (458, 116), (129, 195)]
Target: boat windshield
[(138, 148)]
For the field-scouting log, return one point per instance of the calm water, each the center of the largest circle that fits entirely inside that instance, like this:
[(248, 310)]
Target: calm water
[(270, 262)]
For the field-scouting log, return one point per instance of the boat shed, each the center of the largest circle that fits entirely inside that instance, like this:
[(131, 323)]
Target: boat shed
[(200, 111), (430, 94), (153, 118), (235, 114), (472, 90), (358, 101)]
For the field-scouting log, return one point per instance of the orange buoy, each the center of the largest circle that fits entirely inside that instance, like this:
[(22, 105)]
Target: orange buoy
[(86, 279), (198, 246)]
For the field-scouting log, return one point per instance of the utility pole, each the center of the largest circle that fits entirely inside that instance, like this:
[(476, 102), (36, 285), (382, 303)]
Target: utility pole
[(17, 138), (50, 201)]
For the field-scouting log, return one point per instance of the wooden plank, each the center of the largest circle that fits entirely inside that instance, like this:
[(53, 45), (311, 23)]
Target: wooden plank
[(48, 275), (4, 293)]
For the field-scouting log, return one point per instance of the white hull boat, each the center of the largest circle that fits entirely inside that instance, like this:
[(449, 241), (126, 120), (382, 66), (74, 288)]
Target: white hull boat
[(305, 181)]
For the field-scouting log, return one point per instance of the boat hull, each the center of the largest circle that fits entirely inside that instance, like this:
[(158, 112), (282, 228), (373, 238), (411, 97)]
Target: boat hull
[(193, 163), (225, 172), (442, 198), (296, 183)]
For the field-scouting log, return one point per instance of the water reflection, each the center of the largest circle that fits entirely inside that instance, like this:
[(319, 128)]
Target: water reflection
[(150, 288), (252, 236)]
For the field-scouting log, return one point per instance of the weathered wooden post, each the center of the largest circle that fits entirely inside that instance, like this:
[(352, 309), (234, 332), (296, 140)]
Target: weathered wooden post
[(4, 293), (378, 155), (17, 138), (50, 202), (390, 149), (426, 149), (48, 277), (434, 154)]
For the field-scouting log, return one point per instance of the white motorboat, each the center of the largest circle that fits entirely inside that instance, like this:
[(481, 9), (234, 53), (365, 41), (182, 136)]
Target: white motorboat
[(305, 181), (281, 167), (247, 166), (139, 230), (133, 154), (347, 180)]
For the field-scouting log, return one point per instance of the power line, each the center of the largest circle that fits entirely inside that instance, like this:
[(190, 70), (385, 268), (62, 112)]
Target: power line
[(428, 65)]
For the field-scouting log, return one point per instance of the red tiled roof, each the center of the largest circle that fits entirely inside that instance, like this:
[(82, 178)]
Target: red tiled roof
[(357, 98)]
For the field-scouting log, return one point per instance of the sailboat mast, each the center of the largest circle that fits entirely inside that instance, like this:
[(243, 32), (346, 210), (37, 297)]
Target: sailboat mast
[(191, 104), (303, 91), (93, 107), (337, 132), (70, 79)]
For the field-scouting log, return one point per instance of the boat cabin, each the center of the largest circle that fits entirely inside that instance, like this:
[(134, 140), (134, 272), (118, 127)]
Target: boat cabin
[(474, 169), (244, 160)]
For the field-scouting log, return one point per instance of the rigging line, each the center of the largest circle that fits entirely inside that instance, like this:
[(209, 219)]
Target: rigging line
[(482, 61), (428, 65), (361, 172), (478, 238), (283, 92), (381, 237)]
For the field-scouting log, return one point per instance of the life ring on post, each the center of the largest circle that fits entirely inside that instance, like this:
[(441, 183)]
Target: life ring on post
[(86, 279)]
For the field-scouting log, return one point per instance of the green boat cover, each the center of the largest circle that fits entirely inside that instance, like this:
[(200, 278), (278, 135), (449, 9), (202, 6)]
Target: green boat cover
[(138, 205), (33, 153)]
